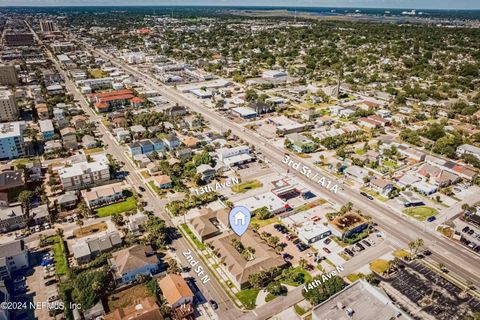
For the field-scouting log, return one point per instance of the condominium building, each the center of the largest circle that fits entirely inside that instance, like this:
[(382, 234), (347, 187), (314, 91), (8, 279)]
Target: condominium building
[(47, 26), (84, 174), (18, 39), (8, 75), (8, 106), (12, 144), (13, 257)]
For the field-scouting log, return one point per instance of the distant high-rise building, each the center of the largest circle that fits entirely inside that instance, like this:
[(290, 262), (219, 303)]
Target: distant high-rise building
[(8, 75), (18, 39), (8, 106), (47, 26)]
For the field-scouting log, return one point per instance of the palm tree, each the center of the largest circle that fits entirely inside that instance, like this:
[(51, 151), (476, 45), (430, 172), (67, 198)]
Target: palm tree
[(80, 223), (303, 263), (441, 266)]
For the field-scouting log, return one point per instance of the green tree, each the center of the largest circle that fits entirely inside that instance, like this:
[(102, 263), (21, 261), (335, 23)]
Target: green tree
[(324, 290), (117, 218), (25, 198), (276, 288)]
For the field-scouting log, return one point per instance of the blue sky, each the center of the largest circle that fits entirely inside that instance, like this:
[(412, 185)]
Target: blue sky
[(421, 4)]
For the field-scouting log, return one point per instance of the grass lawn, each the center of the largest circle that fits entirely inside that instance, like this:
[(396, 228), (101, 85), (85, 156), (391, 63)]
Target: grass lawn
[(189, 232), (360, 152), (60, 256), (374, 194), (247, 185), (352, 277), (390, 164), (21, 161), (401, 253), (263, 223), (420, 213), (91, 229), (299, 310), (93, 150), (291, 280), (379, 266), (248, 297), (127, 297), (126, 205), (270, 297), (97, 73), (146, 175)]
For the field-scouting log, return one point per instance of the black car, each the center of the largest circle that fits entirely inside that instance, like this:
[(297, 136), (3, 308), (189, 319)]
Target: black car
[(365, 242), (349, 252), (297, 241), (327, 241), (142, 189), (471, 232), (366, 195), (278, 226), (213, 304), (301, 247), (360, 247), (466, 229)]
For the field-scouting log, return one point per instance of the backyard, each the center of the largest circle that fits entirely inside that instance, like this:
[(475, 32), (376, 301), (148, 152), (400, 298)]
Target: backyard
[(126, 205), (127, 297), (420, 213)]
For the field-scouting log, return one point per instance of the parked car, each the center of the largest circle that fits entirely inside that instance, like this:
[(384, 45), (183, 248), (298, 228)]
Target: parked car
[(327, 241), (365, 242), (349, 252), (431, 219), (53, 298), (142, 189), (213, 304), (326, 250), (470, 232), (366, 195), (19, 280), (466, 229)]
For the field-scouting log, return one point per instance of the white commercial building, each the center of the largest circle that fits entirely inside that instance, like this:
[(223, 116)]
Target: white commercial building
[(234, 156), (468, 149), (268, 200)]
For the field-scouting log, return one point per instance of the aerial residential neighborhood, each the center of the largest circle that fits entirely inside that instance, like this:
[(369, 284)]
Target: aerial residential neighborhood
[(134, 141)]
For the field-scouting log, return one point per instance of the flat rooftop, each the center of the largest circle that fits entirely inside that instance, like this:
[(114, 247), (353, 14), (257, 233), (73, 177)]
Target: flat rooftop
[(347, 221), (362, 300)]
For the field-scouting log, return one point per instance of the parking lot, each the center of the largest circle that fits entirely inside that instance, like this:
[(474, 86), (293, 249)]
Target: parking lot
[(43, 288), (291, 251), (470, 234), (416, 282)]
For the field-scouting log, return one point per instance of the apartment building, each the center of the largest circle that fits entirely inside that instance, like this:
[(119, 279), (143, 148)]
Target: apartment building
[(8, 75), (12, 144), (13, 257), (84, 174), (8, 106)]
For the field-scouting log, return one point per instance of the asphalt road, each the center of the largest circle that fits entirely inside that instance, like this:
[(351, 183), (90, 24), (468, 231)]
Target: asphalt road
[(457, 260)]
